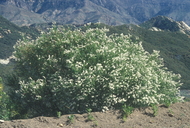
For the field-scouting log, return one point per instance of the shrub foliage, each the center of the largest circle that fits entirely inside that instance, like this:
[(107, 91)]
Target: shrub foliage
[(71, 71), (7, 107)]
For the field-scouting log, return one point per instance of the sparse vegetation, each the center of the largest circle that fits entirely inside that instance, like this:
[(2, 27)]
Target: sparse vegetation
[(71, 119), (126, 111), (170, 111), (89, 115), (58, 114), (155, 109)]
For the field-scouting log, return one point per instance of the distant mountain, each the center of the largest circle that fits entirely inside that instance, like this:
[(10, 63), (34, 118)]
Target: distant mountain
[(111, 12), (165, 23), (20, 16)]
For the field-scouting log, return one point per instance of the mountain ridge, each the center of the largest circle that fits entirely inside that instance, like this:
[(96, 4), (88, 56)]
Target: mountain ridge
[(111, 12), (20, 16), (164, 23)]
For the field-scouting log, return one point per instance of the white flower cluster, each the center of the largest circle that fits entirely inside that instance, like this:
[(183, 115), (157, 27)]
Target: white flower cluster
[(95, 70)]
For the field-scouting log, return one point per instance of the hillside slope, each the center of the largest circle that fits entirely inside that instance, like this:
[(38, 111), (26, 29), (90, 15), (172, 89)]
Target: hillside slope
[(9, 34)]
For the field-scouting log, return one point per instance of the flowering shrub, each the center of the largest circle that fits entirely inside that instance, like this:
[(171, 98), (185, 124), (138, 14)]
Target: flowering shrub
[(71, 71)]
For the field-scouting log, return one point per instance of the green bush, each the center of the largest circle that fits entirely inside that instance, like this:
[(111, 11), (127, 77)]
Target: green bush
[(71, 71), (7, 109), (4, 114)]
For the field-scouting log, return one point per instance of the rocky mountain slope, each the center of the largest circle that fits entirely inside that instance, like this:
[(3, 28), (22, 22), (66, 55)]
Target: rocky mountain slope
[(164, 23), (112, 12), (20, 16)]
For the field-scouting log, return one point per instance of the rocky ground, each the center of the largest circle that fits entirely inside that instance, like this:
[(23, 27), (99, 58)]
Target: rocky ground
[(176, 116)]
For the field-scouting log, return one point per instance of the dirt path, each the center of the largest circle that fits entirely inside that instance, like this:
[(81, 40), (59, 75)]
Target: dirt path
[(176, 116)]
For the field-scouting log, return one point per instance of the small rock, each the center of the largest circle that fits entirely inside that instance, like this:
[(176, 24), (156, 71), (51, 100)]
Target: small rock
[(171, 115), (2, 121), (151, 121), (60, 125)]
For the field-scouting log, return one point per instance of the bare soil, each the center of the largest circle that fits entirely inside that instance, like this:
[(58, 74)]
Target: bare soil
[(176, 116)]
